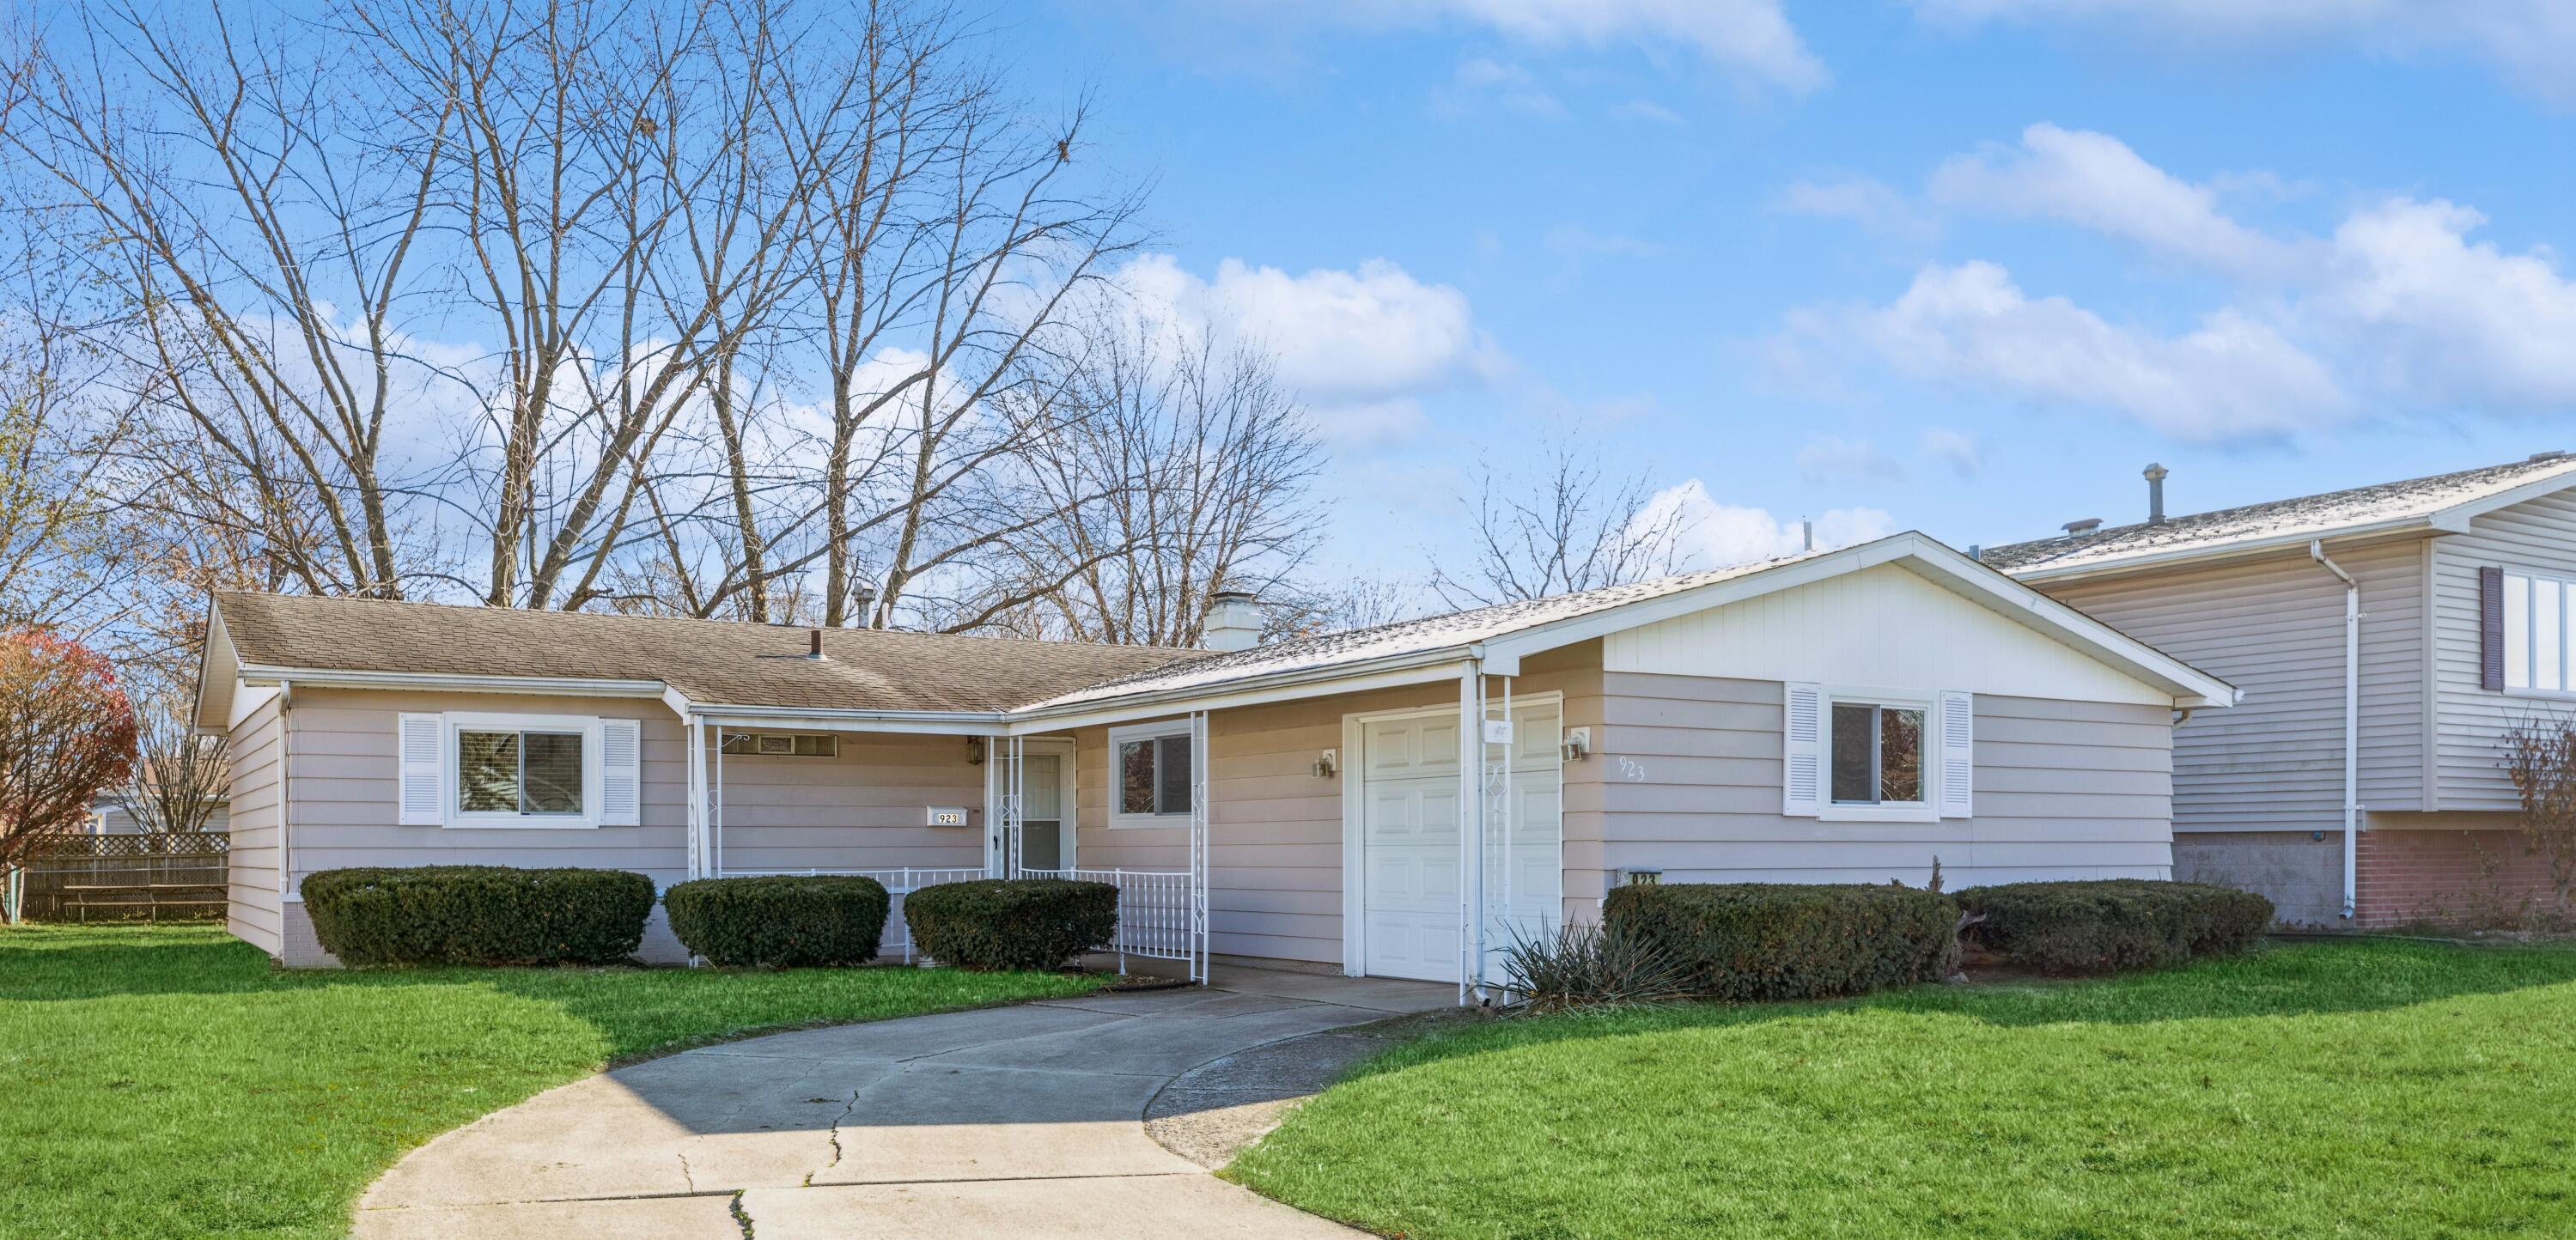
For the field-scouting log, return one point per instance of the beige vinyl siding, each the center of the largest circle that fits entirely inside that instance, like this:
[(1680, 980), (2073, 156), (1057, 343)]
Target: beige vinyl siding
[(866, 809), (1691, 769), (1275, 827), (255, 913), (2274, 627), (343, 784), (2537, 535)]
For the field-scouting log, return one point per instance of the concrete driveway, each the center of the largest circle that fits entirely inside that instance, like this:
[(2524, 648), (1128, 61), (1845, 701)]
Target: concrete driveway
[(1018, 1121)]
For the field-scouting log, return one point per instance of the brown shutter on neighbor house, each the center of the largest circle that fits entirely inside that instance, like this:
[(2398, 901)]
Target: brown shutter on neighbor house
[(2491, 628)]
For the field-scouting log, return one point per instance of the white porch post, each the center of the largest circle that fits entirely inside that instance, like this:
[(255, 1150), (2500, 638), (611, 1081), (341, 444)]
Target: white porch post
[(1471, 830), (695, 732), (1200, 812)]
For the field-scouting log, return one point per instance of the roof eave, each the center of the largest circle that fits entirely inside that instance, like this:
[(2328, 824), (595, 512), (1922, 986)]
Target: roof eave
[(350, 678), (2421, 524), (1057, 712)]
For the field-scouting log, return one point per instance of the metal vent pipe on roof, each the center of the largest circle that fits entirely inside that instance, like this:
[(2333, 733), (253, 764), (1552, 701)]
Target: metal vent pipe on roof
[(814, 650), (2083, 526), (2156, 493)]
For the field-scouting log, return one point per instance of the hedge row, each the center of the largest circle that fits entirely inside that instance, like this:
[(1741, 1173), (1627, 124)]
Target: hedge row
[(2116, 924), (1021, 923), (1786, 941), (478, 914), (1791, 941), (780, 921)]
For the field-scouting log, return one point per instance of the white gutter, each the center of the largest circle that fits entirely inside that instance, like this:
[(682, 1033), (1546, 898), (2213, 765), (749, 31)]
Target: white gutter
[(567, 686), (2351, 719)]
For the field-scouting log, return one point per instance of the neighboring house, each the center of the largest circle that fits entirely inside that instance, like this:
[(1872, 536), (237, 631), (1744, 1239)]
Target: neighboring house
[(2385, 638), (109, 818), (1846, 716)]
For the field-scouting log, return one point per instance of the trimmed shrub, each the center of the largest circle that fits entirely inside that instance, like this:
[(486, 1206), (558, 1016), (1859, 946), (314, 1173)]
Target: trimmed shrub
[(2111, 925), (780, 920), (1791, 941), (1013, 923), (478, 914)]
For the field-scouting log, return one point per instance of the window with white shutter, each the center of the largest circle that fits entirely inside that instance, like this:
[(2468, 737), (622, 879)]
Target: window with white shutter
[(423, 780), (620, 772), (1958, 753), (1801, 756)]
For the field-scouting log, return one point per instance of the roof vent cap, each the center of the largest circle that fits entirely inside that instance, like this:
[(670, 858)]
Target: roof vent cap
[(2085, 526), (2553, 454)]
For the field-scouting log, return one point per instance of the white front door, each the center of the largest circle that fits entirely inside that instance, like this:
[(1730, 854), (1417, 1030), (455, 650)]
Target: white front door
[(1408, 869), (1409, 847)]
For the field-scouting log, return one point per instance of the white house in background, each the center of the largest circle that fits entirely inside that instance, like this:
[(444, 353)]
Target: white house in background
[(2385, 637), (1390, 801)]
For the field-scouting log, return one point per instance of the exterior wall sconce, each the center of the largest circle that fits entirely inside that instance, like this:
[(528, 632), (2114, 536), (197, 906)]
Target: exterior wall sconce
[(1578, 744), (974, 751), (1328, 764)]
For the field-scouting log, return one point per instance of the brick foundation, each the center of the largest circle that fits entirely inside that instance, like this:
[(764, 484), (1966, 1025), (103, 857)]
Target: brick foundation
[(2478, 879)]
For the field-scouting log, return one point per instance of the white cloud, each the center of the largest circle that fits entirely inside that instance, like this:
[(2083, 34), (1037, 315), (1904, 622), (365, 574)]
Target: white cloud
[(2094, 180), (2443, 319), (2530, 41), (1576, 243), (1648, 110), (1482, 84), (1361, 346), (1749, 38), (1970, 325), (1862, 200), (1836, 459), (1718, 534), (1962, 452)]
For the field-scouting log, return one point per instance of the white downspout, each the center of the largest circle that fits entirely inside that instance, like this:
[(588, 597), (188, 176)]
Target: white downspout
[(1471, 816), (2351, 721), (288, 891)]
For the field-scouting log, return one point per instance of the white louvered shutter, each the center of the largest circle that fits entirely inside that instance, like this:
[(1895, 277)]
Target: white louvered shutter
[(1958, 753), (1801, 756), (422, 741), (620, 773)]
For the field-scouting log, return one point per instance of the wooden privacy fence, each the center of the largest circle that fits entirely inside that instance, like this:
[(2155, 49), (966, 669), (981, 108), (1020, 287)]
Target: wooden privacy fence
[(148, 875)]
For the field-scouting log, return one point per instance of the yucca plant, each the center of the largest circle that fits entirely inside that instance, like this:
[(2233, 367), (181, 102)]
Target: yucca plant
[(1581, 966)]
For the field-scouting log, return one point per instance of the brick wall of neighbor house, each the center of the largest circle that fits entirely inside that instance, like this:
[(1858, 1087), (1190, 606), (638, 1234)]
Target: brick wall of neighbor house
[(2448, 877), (2301, 872), (1275, 828)]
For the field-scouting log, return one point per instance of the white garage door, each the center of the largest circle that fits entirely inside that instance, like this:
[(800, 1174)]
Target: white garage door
[(1409, 841)]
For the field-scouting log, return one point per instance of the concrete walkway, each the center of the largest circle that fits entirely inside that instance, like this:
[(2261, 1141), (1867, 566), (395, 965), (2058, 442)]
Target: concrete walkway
[(1018, 1121)]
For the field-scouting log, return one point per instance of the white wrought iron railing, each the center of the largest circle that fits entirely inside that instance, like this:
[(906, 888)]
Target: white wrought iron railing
[(1157, 913)]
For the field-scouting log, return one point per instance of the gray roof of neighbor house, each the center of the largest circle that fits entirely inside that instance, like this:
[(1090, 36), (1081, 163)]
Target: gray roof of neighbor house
[(711, 661), (2428, 503)]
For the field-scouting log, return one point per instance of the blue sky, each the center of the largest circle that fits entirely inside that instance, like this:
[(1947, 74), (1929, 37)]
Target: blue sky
[(1956, 265)]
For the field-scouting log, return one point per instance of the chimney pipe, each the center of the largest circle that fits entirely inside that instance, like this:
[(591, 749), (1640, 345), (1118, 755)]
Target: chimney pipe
[(1807, 534), (815, 649), (866, 599), (1233, 621), (2156, 493)]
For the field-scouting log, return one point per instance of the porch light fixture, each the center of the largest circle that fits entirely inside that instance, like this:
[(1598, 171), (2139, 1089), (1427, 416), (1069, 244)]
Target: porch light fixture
[(1578, 744), (974, 751), (1328, 764)]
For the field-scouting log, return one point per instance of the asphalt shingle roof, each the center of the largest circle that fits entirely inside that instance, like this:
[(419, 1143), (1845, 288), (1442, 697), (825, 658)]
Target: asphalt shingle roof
[(2308, 516), (1403, 637), (712, 661)]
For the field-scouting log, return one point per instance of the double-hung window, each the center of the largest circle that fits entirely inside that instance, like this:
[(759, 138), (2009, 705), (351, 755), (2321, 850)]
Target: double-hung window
[(1150, 774), (1888, 755), (506, 770), (1878, 753), (2536, 620)]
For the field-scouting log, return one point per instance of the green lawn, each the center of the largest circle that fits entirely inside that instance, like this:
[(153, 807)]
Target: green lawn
[(2349, 1090), (164, 1082)]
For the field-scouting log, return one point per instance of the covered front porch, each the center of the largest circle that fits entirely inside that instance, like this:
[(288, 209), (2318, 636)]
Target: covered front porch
[(1403, 832)]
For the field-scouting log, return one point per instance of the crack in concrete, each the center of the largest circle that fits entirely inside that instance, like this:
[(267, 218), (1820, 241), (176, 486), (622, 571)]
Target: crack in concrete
[(685, 1176), (741, 1217), (835, 1136)]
